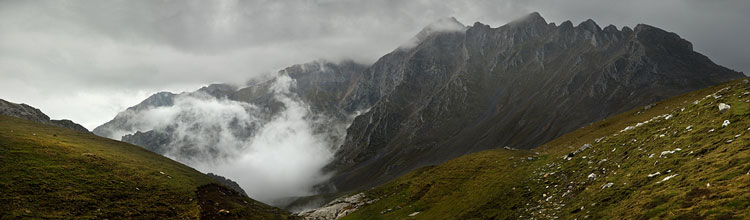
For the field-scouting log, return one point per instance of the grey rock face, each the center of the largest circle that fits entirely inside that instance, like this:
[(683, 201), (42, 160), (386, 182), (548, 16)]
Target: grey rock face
[(518, 85), (325, 85), (33, 114), (123, 119), (337, 208)]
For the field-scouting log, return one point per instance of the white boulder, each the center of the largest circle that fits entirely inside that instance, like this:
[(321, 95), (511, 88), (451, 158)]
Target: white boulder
[(654, 174), (591, 176), (723, 107)]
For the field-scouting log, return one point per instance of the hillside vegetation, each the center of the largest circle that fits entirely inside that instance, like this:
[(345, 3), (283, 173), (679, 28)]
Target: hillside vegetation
[(54, 172), (675, 159)]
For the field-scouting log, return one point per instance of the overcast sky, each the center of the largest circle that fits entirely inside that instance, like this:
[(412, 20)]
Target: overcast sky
[(88, 60)]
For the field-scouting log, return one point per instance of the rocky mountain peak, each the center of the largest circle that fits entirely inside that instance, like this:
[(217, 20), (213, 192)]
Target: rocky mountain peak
[(156, 100), (610, 29), (643, 27), (661, 40), (627, 30), (450, 23), (479, 24), (439, 26), (590, 25), (218, 90), (533, 18), (566, 25), (530, 25)]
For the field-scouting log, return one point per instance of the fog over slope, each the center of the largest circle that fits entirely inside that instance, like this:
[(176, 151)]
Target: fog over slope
[(271, 156)]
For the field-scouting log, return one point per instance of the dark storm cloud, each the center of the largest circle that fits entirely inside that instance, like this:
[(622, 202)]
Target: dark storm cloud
[(87, 60)]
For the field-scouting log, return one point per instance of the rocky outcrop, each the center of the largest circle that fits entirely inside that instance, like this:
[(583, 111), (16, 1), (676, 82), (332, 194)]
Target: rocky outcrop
[(518, 85), (337, 208), (27, 112), (723, 107), (228, 183)]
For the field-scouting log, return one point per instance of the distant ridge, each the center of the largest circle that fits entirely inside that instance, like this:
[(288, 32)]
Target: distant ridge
[(27, 112)]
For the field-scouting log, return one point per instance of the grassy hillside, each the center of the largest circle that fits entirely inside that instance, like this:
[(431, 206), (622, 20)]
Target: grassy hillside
[(53, 172), (682, 164)]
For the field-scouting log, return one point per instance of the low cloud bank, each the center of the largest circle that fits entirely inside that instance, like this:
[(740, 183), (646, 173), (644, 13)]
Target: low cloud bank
[(272, 156)]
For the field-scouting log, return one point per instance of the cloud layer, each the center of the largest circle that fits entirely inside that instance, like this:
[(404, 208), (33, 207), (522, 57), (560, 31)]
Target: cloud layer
[(272, 157), (88, 60)]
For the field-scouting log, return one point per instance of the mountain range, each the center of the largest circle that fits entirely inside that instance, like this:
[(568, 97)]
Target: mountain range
[(528, 120), (455, 89), (518, 85)]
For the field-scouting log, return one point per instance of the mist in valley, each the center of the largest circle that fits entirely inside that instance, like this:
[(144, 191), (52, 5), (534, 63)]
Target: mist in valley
[(273, 156)]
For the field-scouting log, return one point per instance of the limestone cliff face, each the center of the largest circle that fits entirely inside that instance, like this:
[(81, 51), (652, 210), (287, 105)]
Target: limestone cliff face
[(518, 85)]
